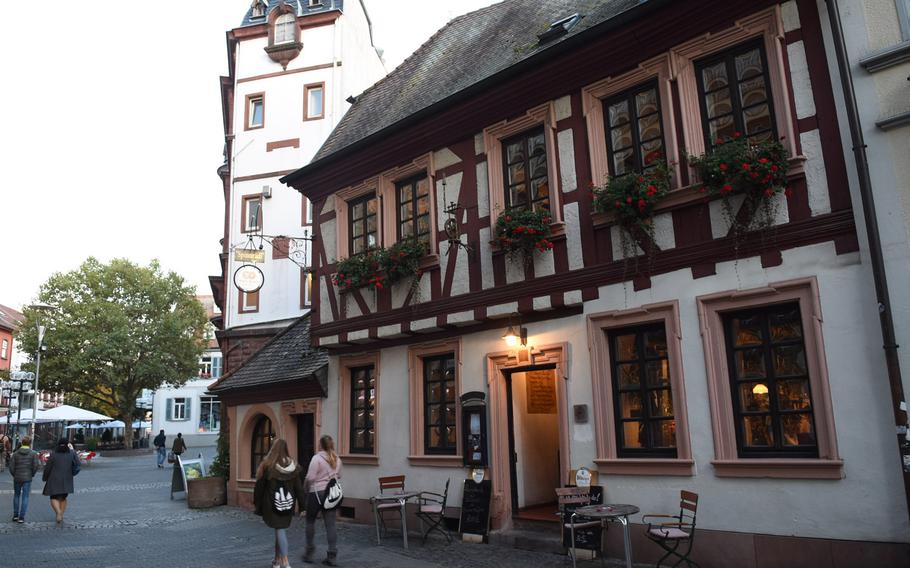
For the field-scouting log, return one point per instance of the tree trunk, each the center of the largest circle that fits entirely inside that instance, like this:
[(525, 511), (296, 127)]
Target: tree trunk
[(127, 419)]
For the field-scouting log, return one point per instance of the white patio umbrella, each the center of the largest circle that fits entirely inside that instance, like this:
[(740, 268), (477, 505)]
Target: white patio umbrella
[(67, 413), (138, 424), (76, 426), (112, 424)]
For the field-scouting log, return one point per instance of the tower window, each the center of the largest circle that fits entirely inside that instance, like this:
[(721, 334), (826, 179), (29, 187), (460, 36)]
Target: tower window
[(284, 28)]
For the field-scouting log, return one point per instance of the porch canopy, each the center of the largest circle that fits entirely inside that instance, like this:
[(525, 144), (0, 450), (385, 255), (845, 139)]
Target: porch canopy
[(285, 367), (67, 413)]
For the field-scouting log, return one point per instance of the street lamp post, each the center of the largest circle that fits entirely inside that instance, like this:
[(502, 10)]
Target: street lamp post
[(21, 378), (39, 309)]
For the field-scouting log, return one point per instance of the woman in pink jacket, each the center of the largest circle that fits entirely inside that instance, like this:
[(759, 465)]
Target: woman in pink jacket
[(324, 466)]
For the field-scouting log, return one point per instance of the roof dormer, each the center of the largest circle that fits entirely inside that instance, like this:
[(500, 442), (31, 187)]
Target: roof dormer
[(284, 34), (259, 9)]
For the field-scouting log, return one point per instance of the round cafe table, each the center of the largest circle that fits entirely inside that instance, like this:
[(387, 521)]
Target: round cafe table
[(613, 513), (398, 501)]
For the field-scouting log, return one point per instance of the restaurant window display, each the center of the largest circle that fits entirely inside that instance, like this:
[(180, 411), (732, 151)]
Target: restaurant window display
[(642, 393), (769, 378)]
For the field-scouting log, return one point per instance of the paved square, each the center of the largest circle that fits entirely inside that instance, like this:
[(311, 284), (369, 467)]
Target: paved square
[(121, 516)]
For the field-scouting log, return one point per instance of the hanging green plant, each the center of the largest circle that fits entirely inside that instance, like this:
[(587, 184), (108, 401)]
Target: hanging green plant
[(757, 170), (522, 232)]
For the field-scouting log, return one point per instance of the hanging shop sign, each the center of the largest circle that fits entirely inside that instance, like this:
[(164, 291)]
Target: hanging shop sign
[(249, 255), (541, 392), (248, 278)]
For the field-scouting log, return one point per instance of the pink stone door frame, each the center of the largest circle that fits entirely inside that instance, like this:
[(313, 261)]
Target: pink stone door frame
[(500, 469)]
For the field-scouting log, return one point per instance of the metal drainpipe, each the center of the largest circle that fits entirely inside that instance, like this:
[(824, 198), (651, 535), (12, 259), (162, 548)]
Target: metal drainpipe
[(875, 245)]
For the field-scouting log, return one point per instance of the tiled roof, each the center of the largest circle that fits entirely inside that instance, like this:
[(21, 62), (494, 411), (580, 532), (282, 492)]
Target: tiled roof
[(302, 6), (287, 357), (467, 50), (10, 319)]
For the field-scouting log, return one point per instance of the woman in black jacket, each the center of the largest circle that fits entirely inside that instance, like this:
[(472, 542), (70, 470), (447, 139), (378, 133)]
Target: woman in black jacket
[(277, 493), (62, 465)]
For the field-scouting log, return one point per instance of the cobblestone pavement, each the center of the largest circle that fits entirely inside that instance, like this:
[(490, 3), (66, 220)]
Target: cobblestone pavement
[(121, 516)]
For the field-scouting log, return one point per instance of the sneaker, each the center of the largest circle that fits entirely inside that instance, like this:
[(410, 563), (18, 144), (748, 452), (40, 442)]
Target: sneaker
[(15, 519), (330, 560), (308, 557), (20, 520)]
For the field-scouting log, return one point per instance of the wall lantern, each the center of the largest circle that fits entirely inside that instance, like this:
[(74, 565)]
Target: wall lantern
[(513, 338)]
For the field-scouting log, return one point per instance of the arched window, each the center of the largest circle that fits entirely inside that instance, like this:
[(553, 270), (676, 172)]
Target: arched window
[(261, 443), (284, 28)]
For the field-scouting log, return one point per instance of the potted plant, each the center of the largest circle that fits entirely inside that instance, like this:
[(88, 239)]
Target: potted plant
[(210, 490), (523, 232), (633, 197), (380, 267), (756, 170)]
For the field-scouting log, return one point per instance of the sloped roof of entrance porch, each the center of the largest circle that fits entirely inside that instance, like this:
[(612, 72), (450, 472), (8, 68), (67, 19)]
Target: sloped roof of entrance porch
[(285, 367)]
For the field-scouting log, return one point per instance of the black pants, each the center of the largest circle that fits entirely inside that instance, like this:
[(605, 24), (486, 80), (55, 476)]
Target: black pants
[(312, 510)]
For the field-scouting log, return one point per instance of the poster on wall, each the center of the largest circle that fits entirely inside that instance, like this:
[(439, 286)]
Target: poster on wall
[(541, 386)]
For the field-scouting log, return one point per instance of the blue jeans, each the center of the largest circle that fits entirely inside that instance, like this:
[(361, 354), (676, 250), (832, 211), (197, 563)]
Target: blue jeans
[(20, 506), (162, 454)]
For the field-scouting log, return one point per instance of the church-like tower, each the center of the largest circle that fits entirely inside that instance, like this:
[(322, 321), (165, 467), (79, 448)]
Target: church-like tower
[(292, 65)]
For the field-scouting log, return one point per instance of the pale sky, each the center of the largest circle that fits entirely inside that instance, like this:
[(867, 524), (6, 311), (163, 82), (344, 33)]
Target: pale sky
[(112, 132)]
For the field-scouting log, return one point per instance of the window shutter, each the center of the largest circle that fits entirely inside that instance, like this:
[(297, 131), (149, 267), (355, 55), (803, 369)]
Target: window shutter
[(169, 408)]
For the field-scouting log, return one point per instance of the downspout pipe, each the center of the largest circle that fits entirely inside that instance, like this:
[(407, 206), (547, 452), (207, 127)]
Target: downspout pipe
[(875, 245)]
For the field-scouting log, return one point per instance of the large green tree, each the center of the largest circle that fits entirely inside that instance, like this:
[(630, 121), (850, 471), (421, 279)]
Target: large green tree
[(118, 328)]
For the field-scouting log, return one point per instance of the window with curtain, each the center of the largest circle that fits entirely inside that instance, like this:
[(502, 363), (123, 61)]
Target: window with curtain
[(527, 182), (769, 378), (735, 95), (642, 395), (634, 130)]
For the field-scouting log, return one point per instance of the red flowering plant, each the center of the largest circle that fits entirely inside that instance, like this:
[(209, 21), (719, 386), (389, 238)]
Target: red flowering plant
[(633, 196), (380, 267), (523, 232), (737, 166)]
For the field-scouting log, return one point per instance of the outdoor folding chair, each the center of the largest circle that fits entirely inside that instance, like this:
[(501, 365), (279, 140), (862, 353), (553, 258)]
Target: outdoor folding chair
[(674, 536), (575, 497), (433, 511), (393, 483)]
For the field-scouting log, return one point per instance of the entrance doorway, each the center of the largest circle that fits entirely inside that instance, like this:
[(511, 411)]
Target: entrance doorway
[(305, 441), (534, 442)]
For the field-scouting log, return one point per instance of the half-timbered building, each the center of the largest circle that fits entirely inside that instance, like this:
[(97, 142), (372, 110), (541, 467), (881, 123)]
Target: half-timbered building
[(743, 366)]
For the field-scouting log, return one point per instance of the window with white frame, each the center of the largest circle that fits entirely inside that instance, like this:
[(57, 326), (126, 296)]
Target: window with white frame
[(314, 101), (178, 410), (255, 111), (4, 350), (209, 414), (284, 28)]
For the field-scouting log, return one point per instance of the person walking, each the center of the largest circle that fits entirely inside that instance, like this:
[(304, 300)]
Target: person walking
[(325, 466), (23, 466), (278, 489), (161, 448), (62, 465), (6, 447), (179, 444)]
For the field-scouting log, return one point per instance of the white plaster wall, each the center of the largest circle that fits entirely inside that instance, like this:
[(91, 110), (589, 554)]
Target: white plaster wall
[(810, 508), (192, 390)]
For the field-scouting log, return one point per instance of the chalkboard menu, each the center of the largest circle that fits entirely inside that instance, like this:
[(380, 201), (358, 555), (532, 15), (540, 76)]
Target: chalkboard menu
[(585, 539), (475, 507)]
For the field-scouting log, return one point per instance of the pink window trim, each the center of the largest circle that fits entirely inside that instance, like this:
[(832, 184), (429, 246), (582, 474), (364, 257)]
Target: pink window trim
[(344, 408), (726, 459), (602, 378), (544, 114), (592, 96), (416, 353), (767, 24)]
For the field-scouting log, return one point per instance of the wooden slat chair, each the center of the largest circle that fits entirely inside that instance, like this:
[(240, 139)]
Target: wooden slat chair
[(389, 484), (575, 497), (433, 511), (676, 537)]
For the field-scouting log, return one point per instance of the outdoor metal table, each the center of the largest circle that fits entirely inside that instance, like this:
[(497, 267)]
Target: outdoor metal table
[(613, 513), (401, 498)]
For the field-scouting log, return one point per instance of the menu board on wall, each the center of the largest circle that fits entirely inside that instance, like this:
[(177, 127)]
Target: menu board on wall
[(541, 387)]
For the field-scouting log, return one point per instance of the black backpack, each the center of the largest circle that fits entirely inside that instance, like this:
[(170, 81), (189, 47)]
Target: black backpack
[(283, 499)]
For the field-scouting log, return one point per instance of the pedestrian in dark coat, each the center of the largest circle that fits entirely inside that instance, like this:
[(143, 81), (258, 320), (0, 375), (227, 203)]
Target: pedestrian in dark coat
[(179, 445), (23, 466), (62, 465), (278, 493), (161, 448)]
